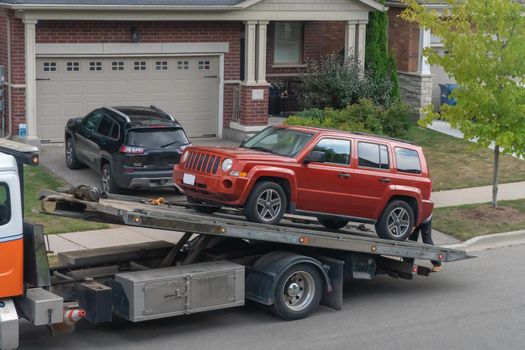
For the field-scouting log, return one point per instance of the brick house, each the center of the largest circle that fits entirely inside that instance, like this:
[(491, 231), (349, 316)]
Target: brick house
[(419, 81), (209, 62)]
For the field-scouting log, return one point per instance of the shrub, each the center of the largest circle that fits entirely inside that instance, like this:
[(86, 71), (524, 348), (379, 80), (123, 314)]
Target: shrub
[(334, 82), (363, 116)]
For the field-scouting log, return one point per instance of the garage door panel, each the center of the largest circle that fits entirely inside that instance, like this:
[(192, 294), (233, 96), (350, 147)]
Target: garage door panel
[(180, 89)]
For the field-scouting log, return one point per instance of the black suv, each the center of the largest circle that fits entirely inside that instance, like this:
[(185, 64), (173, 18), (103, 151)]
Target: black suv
[(130, 147)]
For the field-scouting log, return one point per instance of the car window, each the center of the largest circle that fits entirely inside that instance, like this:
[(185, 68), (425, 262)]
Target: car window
[(372, 155), (91, 121), (407, 161), (106, 126), (157, 138), (5, 204), (336, 151)]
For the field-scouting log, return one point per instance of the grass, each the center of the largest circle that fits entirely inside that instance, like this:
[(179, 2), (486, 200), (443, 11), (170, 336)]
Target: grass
[(454, 163), (37, 178), (467, 221)]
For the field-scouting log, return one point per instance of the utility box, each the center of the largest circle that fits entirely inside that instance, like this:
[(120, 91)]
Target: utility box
[(42, 307), (179, 290)]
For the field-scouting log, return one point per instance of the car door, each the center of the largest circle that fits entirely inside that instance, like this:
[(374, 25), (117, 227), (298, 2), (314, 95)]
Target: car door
[(86, 138), (371, 179), (106, 138), (325, 187)]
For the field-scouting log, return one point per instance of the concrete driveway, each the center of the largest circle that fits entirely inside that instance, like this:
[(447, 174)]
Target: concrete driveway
[(53, 159)]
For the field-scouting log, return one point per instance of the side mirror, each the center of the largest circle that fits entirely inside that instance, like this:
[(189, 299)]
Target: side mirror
[(315, 157)]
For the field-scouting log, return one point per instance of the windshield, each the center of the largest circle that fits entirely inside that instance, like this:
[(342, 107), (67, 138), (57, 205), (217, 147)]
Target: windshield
[(157, 138), (282, 141)]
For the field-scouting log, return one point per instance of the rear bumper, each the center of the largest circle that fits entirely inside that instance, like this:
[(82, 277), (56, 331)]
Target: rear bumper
[(428, 206), (224, 189), (145, 179)]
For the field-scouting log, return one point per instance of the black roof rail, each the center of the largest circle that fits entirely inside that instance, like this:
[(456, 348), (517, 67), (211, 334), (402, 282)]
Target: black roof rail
[(382, 137)]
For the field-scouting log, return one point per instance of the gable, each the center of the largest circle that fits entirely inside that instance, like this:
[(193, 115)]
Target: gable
[(312, 5)]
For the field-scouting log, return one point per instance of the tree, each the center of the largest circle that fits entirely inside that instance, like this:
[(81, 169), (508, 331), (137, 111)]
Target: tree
[(485, 41), (379, 61)]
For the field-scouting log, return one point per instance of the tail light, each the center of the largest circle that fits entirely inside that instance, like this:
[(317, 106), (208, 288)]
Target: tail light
[(131, 149)]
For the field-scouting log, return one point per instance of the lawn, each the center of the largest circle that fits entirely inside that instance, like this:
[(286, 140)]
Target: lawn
[(467, 221), (454, 163), (36, 178)]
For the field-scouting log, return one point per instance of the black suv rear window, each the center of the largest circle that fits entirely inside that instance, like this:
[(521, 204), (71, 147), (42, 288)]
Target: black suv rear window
[(407, 161), (157, 138)]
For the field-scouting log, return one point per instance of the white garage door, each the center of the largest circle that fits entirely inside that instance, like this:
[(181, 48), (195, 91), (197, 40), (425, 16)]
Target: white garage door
[(187, 87)]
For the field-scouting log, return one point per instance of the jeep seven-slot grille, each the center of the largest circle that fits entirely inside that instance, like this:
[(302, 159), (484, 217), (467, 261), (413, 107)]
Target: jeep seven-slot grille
[(203, 162)]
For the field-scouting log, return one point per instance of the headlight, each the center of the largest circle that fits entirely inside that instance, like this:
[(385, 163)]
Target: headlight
[(227, 164), (185, 156)]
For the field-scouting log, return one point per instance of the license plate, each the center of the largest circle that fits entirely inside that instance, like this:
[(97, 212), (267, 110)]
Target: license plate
[(188, 179)]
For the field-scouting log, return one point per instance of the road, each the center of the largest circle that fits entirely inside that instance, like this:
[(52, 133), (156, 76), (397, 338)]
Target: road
[(472, 304)]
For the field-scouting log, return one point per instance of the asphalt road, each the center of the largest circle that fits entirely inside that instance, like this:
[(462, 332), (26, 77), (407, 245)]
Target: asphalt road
[(472, 304)]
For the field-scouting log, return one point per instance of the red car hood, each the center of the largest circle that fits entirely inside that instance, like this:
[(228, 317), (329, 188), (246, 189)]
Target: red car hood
[(243, 153)]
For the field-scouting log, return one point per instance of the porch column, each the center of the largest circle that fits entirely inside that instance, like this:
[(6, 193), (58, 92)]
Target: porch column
[(361, 44), (350, 37), (250, 48), (424, 42), (262, 33), (30, 77)]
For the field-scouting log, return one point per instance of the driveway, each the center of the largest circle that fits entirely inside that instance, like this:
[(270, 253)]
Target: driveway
[(52, 158)]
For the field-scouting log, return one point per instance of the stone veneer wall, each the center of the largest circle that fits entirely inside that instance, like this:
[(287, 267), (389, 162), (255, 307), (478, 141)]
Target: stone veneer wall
[(416, 90)]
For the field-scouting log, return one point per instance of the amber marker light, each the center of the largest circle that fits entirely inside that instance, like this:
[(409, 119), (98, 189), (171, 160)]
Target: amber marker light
[(35, 160), (136, 220), (373, 249), (303, 240)]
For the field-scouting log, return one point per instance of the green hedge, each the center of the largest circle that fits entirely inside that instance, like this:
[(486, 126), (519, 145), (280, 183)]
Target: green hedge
[(363, 116)]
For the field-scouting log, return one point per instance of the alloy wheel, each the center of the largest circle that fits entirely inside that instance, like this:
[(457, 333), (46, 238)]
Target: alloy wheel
[(398, 222), (106, 178), (269, 205)]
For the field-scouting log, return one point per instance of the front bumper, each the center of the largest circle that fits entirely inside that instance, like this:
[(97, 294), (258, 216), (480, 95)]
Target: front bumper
[(224, 189)]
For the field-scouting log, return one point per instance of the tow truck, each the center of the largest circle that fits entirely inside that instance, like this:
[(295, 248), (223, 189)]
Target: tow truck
[(221, 261)]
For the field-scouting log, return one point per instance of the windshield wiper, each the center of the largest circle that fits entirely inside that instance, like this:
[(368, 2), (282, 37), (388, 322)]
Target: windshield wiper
[(172, 143), (262, 149)]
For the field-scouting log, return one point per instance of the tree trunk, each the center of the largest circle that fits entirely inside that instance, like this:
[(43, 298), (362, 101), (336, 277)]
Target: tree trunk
[(495, 178)]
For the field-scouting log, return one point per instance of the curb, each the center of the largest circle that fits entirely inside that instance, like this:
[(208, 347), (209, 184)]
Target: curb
[(495, 240)]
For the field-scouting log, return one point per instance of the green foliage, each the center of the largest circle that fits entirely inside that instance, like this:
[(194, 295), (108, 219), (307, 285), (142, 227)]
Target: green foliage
[(362, 116), (485, 41), (334, 82), (379, 61)]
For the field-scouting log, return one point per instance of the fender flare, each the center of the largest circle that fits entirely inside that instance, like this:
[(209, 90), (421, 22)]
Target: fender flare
[(259, 171)]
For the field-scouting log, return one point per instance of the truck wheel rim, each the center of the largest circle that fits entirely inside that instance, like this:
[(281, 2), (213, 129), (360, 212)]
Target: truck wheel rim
[(299, 291), (398, 222), (105, 180), (269, 205), (69, 152)]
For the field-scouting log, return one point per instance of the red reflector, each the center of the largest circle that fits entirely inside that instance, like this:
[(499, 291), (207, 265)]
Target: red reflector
[(414, 269), (441, 257), (131, 149)]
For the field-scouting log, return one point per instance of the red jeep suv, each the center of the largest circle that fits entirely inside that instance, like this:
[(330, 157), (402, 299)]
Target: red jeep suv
[(333, 175)]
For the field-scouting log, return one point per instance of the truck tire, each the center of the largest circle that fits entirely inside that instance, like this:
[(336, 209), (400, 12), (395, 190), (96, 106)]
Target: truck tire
[(266, 203), (396, 222), (72, 161), (204, 209), (107, 183), (297, 292), (332, 224)]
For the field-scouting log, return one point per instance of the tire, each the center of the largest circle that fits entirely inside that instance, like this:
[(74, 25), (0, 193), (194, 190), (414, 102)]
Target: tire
[(396, 222), (72, 161), (266, 203), (205, 210), (297, 292), (333, 224), (107, 184)]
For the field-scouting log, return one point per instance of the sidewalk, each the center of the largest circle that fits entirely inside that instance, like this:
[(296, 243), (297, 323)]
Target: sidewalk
[(473, 195)]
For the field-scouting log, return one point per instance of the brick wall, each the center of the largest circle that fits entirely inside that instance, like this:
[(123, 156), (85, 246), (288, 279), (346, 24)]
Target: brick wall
[(254, 112), (403, 40)]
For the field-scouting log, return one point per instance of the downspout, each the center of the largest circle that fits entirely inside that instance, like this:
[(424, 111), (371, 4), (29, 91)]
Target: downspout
[(9, 98)]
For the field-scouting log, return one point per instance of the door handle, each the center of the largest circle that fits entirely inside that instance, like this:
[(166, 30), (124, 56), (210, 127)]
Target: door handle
[(344, 175), (385, 180)]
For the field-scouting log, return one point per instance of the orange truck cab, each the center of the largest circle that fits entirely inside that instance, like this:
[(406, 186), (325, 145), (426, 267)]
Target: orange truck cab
[(11, 227)]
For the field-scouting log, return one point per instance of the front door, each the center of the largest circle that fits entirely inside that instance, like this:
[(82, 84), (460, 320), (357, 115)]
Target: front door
[(325, 187), (86, 147)]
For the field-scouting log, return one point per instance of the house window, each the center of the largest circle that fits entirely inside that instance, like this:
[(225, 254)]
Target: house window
[(139, 65), (50, 66), (117, 66), (161, 65), (288, 43), (95, 66), (204, 65), (72, 66), (183, 65)]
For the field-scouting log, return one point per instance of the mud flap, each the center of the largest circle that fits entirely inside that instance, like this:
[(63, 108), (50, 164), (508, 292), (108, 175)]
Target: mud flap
[(334, 298)]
